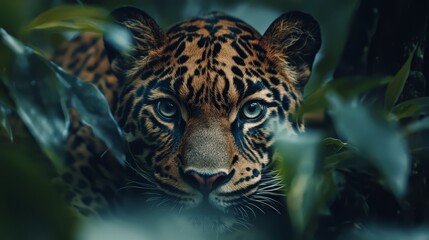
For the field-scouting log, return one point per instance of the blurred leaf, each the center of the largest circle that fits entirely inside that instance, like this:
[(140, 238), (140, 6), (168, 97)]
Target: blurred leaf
[(375, 138), (422, 124), (346, 87), (71, 17), (413, 107), (83, 19), (394, 88), (39, 104), (308, 188), (391, 233), (43, 92), (93, 110), (5, 112)]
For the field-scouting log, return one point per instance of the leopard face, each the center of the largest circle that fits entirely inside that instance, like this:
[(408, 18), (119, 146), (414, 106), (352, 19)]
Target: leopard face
[(202, 103)]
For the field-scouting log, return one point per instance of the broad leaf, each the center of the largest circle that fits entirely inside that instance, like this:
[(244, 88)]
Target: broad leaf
[(71, 17), (395, 87), (93, 110), (347, 88), (308, 187), (33, 88), (379, 140), (413, 107), (43, 92)]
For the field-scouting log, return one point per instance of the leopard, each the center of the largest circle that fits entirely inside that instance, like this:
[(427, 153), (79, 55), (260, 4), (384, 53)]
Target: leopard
[(200, 106)]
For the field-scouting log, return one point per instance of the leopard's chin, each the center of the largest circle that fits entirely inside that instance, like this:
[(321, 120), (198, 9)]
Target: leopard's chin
[(207, 218)]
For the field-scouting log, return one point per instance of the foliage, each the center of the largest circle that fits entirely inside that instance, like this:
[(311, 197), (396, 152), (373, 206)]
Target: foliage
[(333, 174)]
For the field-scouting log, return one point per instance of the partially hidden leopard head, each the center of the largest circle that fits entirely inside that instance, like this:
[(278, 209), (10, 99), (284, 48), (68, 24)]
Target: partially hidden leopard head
[(202, 103)]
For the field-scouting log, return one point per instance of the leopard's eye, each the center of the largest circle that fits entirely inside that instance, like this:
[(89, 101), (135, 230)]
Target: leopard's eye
[(252, 110), (167, 109)]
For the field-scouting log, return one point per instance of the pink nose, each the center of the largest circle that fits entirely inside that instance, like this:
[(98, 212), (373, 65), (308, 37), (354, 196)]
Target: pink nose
[(205, 182)]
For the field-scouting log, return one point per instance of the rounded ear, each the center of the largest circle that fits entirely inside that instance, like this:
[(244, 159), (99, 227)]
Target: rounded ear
[(295, 38), (147, 39)]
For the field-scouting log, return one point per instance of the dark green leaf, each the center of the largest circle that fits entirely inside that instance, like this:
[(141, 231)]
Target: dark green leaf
[(93, 110), (416, 126), (333, 145), (33, 87), (394, 88), (377, 139), (71, 17), (347, 88), (42, 92), (413, 107)]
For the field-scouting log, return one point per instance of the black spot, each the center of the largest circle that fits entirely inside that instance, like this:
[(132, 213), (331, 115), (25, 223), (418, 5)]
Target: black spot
[(167, 168), (181, 70), (216, 49), (234, 30), (248, 169), (239, 85), (275, 81), (247, 179), (238, 60), (239, 50), (255, 172), (237, 71), (201, 42), (285, 103), (234, 159), (180, 49), (182, 59), (197, 72)]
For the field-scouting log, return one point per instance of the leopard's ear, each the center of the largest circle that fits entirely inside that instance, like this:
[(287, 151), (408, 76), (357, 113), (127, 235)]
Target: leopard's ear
[(294, 39), (147, 39)]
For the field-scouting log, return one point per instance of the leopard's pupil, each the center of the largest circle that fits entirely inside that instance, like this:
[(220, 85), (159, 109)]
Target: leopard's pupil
[(167, 109), (252, 110)]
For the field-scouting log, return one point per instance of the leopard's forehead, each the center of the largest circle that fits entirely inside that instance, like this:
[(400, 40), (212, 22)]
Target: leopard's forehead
[(212, 63)]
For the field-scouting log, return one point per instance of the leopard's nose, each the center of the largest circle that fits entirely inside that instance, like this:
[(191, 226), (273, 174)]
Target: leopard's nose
[(205, 183)]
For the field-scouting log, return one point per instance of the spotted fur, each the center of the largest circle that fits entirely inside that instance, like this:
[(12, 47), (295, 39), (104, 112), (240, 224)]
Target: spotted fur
[(212, 72)]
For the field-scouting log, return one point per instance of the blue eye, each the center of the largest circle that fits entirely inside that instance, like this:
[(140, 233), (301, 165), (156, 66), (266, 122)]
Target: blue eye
[(167, 108), (252, 110)]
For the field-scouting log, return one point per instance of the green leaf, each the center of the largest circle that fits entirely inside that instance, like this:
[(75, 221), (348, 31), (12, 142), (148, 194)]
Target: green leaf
[(43, 94), (395, 87), (39, 104), (71, 17), (346, 87), (308, 187), (417, 126), (94, 111), (333, 145), (376, 139), (413, 107)]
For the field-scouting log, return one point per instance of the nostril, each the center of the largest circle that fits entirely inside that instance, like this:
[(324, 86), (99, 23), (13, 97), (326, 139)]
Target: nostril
[(205, 182)]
